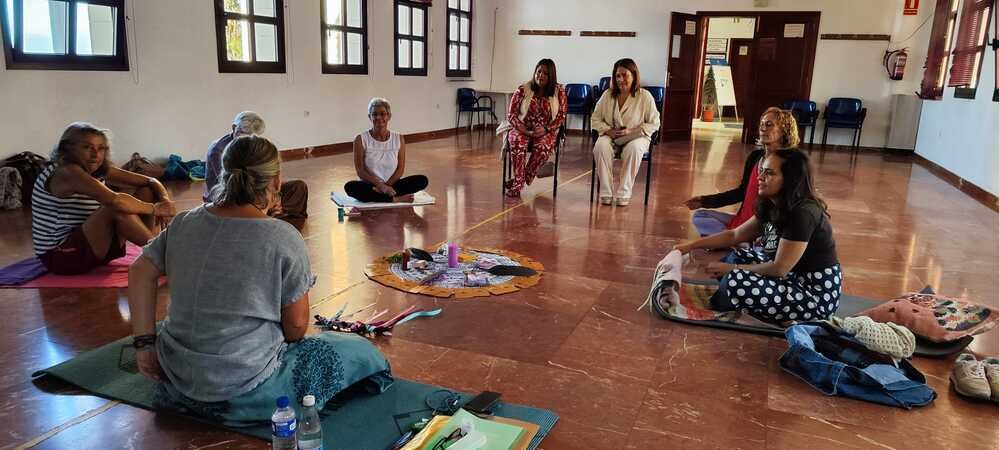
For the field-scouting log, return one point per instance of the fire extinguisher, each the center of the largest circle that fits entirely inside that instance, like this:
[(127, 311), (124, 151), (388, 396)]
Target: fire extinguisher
[(895, 63)]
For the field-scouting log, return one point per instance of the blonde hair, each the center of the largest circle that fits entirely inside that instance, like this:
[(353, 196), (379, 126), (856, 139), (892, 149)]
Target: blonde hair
[(249, 163), (787, 124), (73, 135)]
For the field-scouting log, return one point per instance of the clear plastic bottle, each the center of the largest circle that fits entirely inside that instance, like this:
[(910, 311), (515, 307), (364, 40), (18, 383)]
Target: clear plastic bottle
[(310, 435), (283, 425)]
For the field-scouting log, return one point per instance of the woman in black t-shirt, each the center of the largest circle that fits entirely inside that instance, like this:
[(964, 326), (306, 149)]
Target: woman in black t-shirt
[(797, 274)]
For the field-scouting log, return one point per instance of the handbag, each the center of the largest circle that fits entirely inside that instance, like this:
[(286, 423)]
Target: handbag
[(143, 166), (30, 166)]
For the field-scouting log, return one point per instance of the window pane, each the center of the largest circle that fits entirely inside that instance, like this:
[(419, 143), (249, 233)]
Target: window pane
[(417, 55), (404, 19), (265, 35), (453, 4), (45, 26), (466, 5), (355, 52), (238, 6), (464, 29), (334, 12), (463, 60), (452, 20), (354, 13), (334, 47), (237, 40), (404, 53), (264, 8), (95, 30), (10, 20), (417, 22), (452, 56)]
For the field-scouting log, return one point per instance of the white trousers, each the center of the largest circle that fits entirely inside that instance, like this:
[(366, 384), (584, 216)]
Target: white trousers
[(631, 159)]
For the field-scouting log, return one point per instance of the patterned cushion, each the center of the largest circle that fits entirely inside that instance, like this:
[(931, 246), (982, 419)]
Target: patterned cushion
[(935, 317)]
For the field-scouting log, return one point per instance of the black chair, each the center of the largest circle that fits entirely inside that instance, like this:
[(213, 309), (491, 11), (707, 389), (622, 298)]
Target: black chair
[(806, 113), (647, 158), (470, 103), (580, 99), (845, 113), (508, 162)]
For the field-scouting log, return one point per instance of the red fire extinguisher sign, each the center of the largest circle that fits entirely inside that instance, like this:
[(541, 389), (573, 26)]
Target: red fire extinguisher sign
[(911, 8)]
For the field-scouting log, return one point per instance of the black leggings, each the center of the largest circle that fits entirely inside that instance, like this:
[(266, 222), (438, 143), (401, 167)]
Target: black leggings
[(365, 192)]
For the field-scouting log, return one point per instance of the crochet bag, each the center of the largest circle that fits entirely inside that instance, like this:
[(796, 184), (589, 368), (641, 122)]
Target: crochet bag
[(935, 317)]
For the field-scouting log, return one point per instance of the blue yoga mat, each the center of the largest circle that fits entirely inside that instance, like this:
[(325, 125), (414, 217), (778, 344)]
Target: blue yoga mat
[(352, 420)]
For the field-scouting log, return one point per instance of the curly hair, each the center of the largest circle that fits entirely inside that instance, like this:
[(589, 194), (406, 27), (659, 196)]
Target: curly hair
[(784, 121)]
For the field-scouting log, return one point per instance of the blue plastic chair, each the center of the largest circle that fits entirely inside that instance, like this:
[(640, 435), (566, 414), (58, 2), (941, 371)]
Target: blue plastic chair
[(842, 112), (580, 99), (470, 103), (806, 113), (658, 94), (599, 88)]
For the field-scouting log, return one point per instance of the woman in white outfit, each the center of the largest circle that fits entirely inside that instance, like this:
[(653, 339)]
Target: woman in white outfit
[(625, 118), (380, 160)]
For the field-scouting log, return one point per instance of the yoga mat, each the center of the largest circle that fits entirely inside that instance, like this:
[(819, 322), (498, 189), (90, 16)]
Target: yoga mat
[(342, 200), (113, 275), (351, 420), (849, 305)]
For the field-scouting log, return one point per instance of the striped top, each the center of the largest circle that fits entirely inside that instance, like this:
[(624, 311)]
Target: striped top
[(53, 218)]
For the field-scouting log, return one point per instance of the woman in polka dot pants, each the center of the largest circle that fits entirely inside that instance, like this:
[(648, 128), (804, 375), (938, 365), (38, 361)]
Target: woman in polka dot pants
[(796, 276)]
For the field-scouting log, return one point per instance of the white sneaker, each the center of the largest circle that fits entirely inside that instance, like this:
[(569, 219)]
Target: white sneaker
[(623, 201), (968, 377), (992, 373), (606, 200)]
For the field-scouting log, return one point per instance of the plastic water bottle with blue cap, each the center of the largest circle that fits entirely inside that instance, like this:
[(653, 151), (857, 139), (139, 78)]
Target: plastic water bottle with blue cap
[(310, 434), (283, 425)]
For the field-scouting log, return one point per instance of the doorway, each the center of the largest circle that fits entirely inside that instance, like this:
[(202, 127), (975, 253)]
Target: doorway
[(726, 74)]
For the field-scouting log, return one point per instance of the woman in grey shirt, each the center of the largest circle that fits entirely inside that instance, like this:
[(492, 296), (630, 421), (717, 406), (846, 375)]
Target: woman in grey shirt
[(232, 341)]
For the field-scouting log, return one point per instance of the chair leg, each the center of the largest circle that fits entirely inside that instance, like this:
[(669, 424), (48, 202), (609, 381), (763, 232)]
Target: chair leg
[(860, 133), (593, 179), (825, 134), (811, 138), (457, 117), (558, 154), (648, 178)]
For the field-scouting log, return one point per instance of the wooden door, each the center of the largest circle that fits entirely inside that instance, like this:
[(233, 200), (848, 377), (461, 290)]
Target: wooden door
[(783, 59), (740, 58), (683, 60)]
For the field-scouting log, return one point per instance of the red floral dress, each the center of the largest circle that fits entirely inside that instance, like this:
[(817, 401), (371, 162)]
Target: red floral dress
[(538, 114)]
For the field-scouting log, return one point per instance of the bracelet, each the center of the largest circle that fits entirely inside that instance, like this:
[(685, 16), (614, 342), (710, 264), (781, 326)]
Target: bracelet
[(143, 341)]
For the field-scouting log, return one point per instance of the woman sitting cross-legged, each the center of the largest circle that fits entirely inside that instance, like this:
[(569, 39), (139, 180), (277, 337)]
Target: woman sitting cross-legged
[(380, 161), (537, 111), (77, 221), (234, 335), (797, 275), (778, 130)]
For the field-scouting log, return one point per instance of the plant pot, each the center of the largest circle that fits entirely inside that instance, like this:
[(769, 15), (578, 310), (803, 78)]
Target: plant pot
[(708, 115)]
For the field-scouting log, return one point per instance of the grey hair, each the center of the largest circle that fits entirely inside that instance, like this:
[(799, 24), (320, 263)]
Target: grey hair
[(379, 101), (73, 135), (248, 122), (249, 163)]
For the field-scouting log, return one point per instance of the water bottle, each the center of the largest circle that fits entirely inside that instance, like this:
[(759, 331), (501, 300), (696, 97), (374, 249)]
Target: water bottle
[(310, 435), (283, 426)]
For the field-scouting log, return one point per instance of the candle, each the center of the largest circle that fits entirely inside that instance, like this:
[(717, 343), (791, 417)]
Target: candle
[(452, 255)]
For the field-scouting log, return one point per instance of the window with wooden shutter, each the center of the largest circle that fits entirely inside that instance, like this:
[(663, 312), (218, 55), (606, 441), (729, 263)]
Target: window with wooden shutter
[(938, 54), (969, 47)]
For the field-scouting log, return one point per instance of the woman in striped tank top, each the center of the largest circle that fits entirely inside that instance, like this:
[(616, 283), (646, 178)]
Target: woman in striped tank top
[(77, 221)]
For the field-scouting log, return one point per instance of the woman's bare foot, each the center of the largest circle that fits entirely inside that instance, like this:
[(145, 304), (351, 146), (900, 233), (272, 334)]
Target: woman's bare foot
[(408, 198)]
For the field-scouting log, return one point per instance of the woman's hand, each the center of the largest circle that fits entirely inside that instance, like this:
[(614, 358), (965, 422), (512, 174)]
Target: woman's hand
[(539, 131), (694, 203), (684, 248), (149, 364), (719, 268), (384, 188)]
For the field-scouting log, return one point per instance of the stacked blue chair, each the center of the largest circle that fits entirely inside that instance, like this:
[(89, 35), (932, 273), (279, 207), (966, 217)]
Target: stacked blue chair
[(471, 103), (580, 102), (659, 95), (806, 113), (842, 112), (599, 88)]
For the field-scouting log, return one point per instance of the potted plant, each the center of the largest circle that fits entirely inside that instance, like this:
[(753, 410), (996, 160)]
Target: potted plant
[(709, 100)]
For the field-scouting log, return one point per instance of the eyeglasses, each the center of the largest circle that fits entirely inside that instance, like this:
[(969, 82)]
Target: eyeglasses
[(446, 442)]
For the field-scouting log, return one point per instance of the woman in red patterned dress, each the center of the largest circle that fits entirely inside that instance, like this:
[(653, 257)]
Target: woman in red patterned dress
[(536, 113)]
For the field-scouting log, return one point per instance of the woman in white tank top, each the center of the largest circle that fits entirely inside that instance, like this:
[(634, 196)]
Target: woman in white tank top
[(380, 160)]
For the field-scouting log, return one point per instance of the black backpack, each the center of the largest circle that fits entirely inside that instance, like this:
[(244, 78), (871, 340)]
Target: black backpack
[(30, 166)]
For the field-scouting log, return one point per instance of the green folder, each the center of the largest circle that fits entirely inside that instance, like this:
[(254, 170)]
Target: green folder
[(499, 436)]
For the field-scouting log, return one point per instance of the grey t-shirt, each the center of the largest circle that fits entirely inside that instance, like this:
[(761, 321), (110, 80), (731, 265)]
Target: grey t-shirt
[(228, 280)]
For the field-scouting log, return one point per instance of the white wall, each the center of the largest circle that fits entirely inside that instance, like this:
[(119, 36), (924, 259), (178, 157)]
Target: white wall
[(174, 100), (842, 68), (962, 135)]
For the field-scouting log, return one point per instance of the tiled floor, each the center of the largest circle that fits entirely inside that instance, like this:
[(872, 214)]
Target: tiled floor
[(574, 343)]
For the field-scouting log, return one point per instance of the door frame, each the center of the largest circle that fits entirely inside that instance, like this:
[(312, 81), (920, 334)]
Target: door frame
[(810, 68)]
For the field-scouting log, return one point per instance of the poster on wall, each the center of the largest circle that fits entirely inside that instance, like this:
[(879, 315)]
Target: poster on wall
[(691, 28), (674, 47), (794, 30), (717, 45), (724, 86), (716, 59)]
